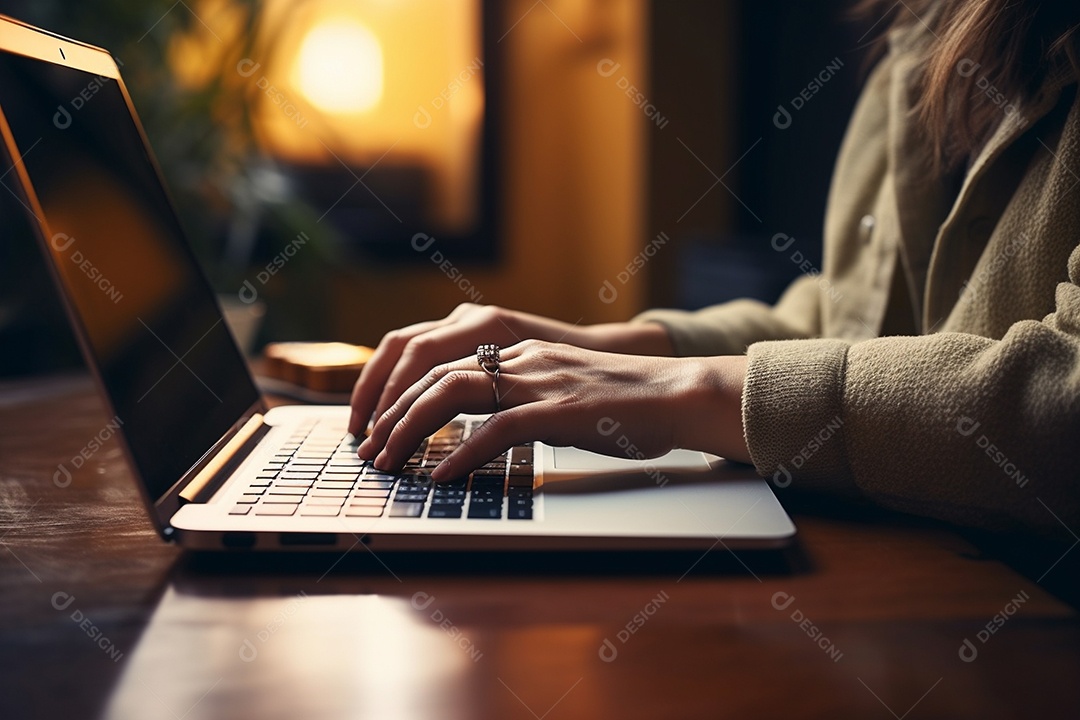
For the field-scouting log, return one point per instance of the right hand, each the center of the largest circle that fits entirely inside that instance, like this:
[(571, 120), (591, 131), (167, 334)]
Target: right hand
[(569, 396), (406, 355)]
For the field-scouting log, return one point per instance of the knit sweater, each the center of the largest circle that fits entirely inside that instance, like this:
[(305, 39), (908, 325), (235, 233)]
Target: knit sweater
[(934, 364)]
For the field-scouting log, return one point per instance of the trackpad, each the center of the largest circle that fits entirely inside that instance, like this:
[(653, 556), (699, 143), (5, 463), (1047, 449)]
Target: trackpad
[(575, 460)]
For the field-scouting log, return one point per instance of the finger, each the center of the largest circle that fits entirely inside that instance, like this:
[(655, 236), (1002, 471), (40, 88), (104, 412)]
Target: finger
[(472, 325), (369, 385), (456, 392), (420, 355), (498, 433), (385, 422)]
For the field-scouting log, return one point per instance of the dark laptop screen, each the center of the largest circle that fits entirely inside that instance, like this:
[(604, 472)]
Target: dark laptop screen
[(149, 319)]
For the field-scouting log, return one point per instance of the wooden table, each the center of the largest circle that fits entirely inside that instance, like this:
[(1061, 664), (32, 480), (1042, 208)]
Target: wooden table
[(866, 617)]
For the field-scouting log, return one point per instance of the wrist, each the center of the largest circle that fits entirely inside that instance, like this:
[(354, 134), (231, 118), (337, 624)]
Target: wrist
[(709, 407)]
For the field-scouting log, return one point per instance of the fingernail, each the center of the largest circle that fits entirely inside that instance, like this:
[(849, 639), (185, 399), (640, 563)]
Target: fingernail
[(441, 472)]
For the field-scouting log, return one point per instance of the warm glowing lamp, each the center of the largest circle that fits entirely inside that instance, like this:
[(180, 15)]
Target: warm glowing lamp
[(341, 83), (339, 67)]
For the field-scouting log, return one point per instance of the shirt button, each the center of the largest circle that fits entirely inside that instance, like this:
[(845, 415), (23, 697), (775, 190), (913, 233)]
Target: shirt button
[(866, 227)]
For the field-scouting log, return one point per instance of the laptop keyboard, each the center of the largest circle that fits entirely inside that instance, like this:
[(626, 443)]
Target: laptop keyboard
[(316, 473)]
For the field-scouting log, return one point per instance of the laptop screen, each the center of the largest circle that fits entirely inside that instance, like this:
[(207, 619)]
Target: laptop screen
[(149, 320)]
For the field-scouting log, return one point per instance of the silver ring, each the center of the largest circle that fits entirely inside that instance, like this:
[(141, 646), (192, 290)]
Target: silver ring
[(488, 358)]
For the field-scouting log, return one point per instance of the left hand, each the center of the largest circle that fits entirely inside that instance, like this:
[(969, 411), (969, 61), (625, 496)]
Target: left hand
[(564, 395)]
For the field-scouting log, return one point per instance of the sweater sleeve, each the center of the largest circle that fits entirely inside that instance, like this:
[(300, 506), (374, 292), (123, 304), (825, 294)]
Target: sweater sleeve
[(728, 329), (956, 426)]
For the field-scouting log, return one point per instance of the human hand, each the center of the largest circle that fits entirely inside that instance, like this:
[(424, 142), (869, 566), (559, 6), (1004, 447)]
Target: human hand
[(406, 355), (564, 395)]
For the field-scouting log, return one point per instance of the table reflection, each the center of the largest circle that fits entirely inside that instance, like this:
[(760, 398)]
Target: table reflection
[(299, 655)]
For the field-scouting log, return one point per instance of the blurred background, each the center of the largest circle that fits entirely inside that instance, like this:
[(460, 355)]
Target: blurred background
[(344, 167)]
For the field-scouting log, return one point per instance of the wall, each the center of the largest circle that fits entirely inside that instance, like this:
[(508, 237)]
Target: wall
[(573, 168)]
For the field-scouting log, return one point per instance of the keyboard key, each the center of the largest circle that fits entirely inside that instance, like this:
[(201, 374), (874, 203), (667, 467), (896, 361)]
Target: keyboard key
[(293, 483), (371, 493), (328, 501), (411, 498), (521, 460), (350, 470), (320, 510), (375, 475), (240, 510), (280, 510), (482, 481), (319, 492), (445, 511), (520, 481), (413, 488), (333, 485), (519, 513), (369, 501), (342, 476), (286, 491), (417, 478), (406, 509), (485, 512), (366, 484), (363, 511)]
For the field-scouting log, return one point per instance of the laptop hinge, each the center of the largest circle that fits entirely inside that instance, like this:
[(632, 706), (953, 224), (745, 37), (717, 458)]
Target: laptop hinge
[(207, 481)]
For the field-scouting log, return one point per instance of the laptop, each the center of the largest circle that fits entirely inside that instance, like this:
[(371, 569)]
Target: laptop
[(217, 470)]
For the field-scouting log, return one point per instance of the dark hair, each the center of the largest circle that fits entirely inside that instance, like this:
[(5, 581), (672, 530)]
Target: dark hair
[(1013, 45)]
